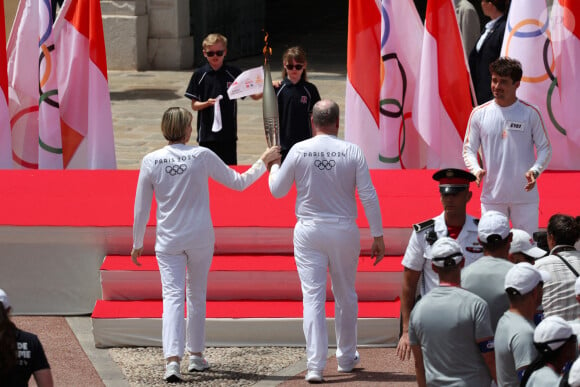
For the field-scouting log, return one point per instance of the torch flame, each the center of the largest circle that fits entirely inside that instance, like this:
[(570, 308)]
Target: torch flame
[(267, 50)]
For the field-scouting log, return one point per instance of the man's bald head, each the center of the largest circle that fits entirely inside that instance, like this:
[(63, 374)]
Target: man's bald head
[(325, 116)]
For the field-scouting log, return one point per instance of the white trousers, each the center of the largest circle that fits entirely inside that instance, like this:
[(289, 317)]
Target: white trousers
[(523, 216), (321, 245), (184, 276)]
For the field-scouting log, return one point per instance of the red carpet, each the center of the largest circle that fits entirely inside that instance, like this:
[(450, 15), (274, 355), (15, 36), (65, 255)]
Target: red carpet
[(238, 309), (105, 198), (266, 263)]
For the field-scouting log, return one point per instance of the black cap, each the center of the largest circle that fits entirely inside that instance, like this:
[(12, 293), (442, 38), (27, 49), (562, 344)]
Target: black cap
[(452, 180)]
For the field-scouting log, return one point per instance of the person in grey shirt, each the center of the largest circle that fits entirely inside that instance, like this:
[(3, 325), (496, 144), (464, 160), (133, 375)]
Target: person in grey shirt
[(450, 329), (485, 277), (514, 336)]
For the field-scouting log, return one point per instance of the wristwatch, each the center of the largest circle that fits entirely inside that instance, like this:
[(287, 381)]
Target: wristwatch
[(535, 173)]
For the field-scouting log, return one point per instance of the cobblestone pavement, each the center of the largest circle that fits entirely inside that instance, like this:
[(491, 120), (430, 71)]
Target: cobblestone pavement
[(138, 100)]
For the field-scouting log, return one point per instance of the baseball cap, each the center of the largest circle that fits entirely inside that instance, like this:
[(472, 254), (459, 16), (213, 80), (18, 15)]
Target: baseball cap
[(552, 333), (4, 299), (452, 180), (523, 277), (577, 286), (493, 226), (523, 243), (574, 375), (446, 252)]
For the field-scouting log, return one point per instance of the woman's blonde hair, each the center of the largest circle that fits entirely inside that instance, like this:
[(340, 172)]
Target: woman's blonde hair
[(174, 123), (297, 54)]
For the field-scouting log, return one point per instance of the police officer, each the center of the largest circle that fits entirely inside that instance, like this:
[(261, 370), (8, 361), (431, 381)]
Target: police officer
[(418, 276)]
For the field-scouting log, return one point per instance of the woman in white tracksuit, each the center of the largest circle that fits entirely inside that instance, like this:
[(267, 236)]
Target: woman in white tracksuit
[(178, 175)]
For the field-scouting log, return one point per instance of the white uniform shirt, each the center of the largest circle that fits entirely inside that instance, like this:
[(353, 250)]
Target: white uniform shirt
[(178, 174), (418, 253), (327, 172), (507, 136)]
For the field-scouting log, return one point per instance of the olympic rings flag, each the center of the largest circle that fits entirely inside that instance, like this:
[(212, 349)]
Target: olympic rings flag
[(22, 52), (545, 41), (49, 133), (443, 100), (565, 26), (384, 48), (63, 68), (5, 136)]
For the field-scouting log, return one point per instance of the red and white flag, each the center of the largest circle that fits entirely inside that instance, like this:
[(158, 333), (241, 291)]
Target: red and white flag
[(5, 136), (536, 38), (22, 53), (85, 105), (363, 78), (443, 100)]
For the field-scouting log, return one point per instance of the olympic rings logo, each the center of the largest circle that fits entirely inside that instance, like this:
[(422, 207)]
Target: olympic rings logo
[(176, 169), (324, 164)]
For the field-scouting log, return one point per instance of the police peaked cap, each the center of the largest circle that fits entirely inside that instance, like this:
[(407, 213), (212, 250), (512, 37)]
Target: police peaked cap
[(452, 180)]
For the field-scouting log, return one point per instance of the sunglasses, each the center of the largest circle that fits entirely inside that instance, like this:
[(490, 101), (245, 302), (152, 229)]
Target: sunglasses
[(212, 53), (292, 67)]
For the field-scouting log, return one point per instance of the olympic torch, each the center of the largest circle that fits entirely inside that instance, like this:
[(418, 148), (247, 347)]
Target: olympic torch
[(270, 102)]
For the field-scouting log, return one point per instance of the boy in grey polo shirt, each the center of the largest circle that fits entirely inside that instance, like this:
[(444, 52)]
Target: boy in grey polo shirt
[(450, 329), (514, 336)]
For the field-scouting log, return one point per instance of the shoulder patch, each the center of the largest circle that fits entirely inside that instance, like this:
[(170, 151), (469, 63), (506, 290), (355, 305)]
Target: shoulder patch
[(424, 225)]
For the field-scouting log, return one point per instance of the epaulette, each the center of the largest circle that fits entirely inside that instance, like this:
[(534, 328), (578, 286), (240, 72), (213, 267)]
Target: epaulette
[(424, 225)]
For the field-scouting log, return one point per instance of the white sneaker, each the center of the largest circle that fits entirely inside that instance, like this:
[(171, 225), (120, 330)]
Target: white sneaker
[(172, 372), (349, 367), (313, 376), (197, 363)]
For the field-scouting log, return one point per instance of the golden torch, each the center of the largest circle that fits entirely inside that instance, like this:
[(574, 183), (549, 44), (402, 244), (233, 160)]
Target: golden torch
[(269, 101)]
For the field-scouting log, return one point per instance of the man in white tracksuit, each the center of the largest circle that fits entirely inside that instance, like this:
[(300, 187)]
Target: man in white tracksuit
[(178, 175), (327, 172), (507, 129)]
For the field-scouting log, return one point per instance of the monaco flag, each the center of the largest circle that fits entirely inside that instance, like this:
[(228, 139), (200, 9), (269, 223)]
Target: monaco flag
[(540, 40), (443, 100), (5, 136), (363, 78), (85, 105)]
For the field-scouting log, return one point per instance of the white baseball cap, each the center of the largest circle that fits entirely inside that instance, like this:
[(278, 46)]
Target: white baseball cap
[(493, 223), (523, 243), (574, 375), (446, 252), (4, 299), (524, 277), (552, 332)]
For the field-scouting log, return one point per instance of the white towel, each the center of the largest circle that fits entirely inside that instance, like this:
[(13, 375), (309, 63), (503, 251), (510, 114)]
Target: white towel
[(217, 115)]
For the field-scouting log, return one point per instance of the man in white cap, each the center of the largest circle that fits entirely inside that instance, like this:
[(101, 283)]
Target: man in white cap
[(557, 347), (514, 335), (450, 329), (418, 276), (523, 248), (563, 264), (486, 276)]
